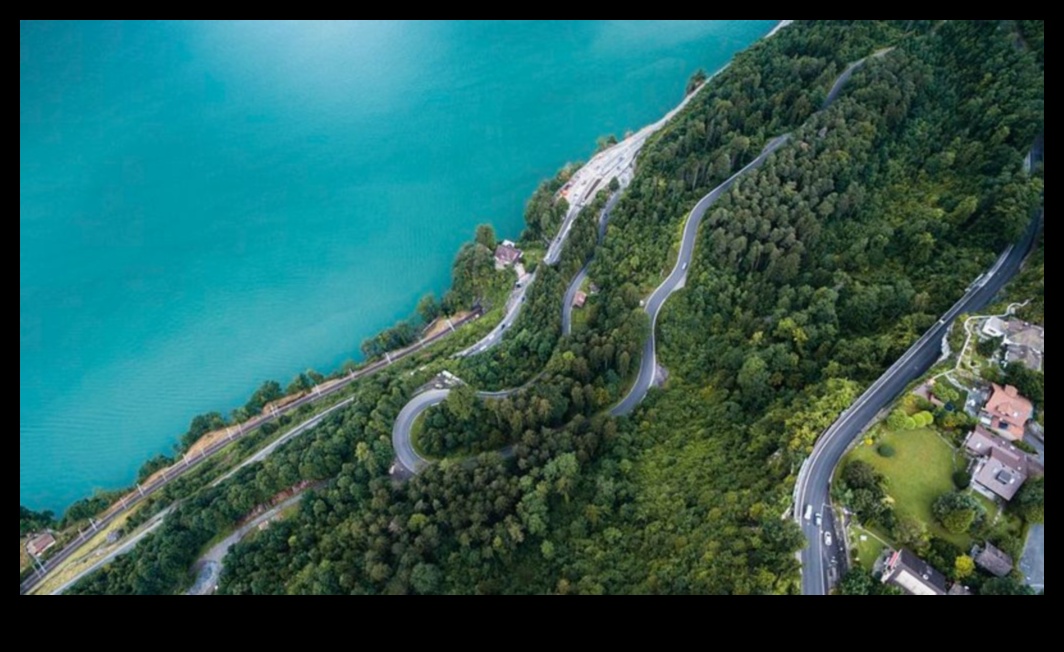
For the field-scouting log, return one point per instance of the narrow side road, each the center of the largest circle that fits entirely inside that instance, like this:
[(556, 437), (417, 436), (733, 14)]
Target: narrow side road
[(126, 546), (574, 287), (211, 564), (570, 297)]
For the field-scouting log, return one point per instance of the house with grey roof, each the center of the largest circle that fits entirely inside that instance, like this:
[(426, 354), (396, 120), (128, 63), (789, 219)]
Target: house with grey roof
[(1025, 343), (994, 328), (1000, 468), (1002, 474), (1020, 333), (993, 561), (981, 441), (40, 544), (914, 575), (1028, 357), (507, 255)]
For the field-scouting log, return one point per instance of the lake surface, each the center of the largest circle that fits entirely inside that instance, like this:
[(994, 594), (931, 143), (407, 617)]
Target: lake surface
[(205, 206)]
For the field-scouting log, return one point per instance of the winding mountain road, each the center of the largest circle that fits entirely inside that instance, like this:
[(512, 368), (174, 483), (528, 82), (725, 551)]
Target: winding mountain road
[(678, 278), (578, 282), (616, 162), (402, 431)]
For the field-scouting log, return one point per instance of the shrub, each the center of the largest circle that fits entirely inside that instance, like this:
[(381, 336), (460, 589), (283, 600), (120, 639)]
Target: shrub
[(923, 419), (897, 420), (886, 450), (957, 512), (962, 480)]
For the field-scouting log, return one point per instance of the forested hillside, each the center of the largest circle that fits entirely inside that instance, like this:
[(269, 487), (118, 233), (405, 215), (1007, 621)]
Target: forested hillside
[(810, 278)]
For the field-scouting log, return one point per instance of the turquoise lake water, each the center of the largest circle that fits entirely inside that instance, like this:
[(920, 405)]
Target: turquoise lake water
[(204, 206)]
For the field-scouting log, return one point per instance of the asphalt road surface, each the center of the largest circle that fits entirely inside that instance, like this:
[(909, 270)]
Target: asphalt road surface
[(210, 565), (846, 74), (616, 162), (1033, 564), (402, 437), (567, 302), (574, 287), (676, 280), (814, 483), (402, 431), (513, 310)]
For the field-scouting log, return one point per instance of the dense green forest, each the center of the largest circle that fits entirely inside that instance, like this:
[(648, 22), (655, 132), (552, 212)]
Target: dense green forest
[(1030, 286), (811, 276), (30, 521)]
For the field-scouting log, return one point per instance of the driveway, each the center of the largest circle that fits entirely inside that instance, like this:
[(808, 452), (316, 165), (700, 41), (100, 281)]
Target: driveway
[(1038, 446), (1033, 563)]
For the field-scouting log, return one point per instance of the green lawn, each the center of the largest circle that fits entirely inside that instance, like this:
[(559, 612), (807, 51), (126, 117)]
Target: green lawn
[(868, 550), (920, 471), (990, 507), (580, 317)]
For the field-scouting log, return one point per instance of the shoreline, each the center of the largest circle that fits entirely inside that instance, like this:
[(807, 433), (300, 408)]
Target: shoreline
[(211, 439), (777, 28)]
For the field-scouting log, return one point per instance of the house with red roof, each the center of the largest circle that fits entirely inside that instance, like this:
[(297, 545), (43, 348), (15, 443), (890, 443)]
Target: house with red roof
[(1007, 413)]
